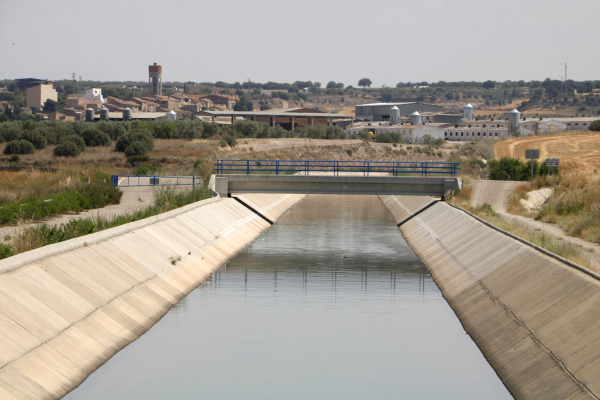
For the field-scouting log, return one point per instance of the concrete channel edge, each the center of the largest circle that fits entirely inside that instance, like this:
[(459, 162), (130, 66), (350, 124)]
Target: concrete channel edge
[(533, 315), (66, 310)]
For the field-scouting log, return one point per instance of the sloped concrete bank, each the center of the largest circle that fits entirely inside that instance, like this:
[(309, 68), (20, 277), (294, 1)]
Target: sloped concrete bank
[(65, 309), (535, 318)]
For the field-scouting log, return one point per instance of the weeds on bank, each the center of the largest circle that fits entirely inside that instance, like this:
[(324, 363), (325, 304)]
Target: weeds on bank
[(461, 198), (575, 206), (166, 198)]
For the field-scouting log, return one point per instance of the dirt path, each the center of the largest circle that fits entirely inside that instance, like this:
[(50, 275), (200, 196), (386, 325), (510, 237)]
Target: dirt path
[(593, 255), (494, 193), (133, 198)]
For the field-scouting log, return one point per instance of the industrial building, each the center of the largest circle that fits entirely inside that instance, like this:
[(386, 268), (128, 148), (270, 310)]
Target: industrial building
[(37, 95), (287, 119), (381, 111), (26, 83)]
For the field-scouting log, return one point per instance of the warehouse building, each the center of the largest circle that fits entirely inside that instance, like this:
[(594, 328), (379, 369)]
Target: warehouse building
[(381, 111)]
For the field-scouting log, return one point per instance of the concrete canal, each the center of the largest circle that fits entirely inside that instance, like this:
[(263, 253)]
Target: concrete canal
[(329, 303)]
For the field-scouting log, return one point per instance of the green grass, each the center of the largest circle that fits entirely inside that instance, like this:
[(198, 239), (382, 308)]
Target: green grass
[(166, 198), (82, 197)]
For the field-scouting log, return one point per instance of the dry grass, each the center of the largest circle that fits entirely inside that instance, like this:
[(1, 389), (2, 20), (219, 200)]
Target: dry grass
[(577, 151), (575, 206), (543, 239)]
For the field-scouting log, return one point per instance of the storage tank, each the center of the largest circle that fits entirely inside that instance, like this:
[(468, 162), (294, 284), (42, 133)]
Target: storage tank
[(171, 116), (415, 118), (469, 112), (127, 114), (394, 115), (104, 114), (90, 114), (513, 120)]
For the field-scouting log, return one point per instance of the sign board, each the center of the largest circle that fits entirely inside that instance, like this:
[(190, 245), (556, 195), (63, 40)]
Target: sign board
[(552, 162), (532, 154)]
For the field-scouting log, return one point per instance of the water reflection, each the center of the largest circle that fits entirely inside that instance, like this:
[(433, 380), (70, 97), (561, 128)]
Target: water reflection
[(330, 303)]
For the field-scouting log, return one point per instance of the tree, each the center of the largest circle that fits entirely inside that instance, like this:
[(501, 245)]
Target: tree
[(364, 82), (243, 104), (330, 85), (50, 106), (595, 126), (489, 85)]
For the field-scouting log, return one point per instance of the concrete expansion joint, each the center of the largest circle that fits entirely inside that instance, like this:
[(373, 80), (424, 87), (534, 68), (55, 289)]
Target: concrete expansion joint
[(515, 318)]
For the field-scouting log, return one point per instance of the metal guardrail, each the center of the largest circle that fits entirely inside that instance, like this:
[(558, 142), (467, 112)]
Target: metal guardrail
[(138, 180), (396, 168)]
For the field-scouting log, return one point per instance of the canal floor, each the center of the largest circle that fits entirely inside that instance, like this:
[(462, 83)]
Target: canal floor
[(329, 303)]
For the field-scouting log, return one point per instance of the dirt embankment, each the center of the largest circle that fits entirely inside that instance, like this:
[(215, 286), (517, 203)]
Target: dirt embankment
[(578, 152)]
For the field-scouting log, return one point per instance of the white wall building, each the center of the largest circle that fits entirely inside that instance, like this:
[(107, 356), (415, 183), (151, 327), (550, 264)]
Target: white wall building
[(94, 94)]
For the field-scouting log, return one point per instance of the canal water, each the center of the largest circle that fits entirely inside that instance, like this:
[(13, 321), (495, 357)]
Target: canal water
[(329, 303)]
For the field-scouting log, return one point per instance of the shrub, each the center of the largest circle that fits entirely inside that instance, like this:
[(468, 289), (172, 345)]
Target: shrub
[(76, 140), (512, 169), (15, 158), (166, 131), (100, 176), (94, 137), (230, 140), (144, 137), (137, 148), (146, 169), (383, 137), (223, 143), (5, 251), (35, 137), (205, 168), (430, 141), (67, 149), (134, 159), (19, 147), (595, 126)]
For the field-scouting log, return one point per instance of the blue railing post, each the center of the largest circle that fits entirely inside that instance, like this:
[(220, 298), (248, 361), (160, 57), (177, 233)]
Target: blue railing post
[(247, 167), (276, 167)]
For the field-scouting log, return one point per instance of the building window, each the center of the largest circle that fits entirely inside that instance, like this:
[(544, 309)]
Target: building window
[(577, 124), (496, 133), (584, 124), (478, 133), (483, 133), (445, 133), (467, 133), (462, 134)]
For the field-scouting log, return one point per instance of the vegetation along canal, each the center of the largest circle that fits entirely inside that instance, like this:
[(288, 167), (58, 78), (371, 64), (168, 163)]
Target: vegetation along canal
[(329, 303)]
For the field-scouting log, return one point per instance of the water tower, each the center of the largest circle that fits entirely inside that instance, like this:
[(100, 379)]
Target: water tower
[(155, 79)]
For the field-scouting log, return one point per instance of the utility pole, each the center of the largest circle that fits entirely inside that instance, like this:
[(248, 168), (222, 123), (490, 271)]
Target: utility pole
[(565, 86), (73, 82)]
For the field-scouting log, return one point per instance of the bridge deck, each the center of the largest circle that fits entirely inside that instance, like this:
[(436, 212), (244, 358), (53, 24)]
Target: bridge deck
[(306, 184)]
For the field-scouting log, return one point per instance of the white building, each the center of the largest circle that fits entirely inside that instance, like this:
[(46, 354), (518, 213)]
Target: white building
[(410, 133), (94, 94)]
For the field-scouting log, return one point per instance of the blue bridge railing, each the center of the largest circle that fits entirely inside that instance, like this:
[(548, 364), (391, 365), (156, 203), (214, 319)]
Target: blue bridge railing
[(396, 168), (135, 180)]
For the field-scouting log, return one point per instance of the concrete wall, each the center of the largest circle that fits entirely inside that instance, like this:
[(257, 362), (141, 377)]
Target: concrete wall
[(65, 309), (534, 317)]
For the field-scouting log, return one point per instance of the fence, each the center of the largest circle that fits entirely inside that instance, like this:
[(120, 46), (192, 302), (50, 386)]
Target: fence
[(134, 180), (396, 168)]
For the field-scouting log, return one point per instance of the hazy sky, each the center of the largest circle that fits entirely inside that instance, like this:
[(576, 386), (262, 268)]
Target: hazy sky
[(284, 41)]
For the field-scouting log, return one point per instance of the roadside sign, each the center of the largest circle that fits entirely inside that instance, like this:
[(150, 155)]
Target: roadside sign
[(532, 154), (552, 162)]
